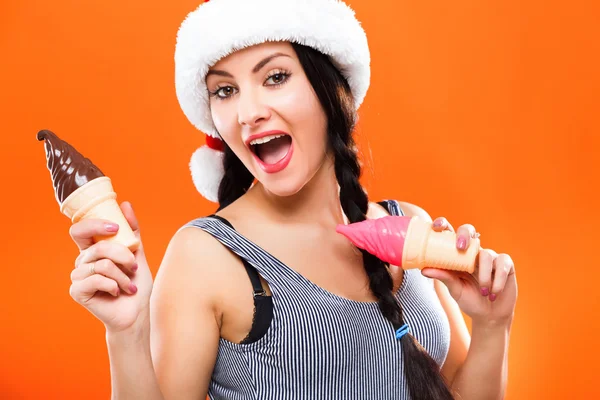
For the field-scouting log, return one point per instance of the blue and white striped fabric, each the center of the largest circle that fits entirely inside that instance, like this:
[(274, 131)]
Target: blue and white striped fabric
[(320, 345)]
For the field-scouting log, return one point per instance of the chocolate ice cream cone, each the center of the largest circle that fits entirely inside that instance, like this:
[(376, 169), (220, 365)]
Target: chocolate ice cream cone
[(82, 190)]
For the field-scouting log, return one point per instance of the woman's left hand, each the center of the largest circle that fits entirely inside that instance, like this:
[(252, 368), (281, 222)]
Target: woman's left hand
[(489, 294)]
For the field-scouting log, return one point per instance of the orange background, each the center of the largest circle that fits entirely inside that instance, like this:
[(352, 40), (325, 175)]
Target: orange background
[(483, 112)]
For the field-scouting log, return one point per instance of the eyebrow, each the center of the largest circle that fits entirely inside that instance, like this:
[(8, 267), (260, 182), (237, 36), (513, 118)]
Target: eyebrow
[(256, 68)]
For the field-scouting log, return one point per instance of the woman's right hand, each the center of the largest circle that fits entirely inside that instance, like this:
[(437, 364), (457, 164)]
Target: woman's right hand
[(109, 280)]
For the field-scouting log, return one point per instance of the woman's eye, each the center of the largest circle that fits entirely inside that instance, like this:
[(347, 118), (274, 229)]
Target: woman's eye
[(277, 78), (225, 91)]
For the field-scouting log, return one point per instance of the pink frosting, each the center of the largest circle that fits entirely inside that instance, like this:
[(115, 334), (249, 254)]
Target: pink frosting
[(383, 237)]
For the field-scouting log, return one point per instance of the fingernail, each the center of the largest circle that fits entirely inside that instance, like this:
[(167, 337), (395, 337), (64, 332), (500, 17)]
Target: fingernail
[(461, 243), (118, 292), (437, 223), (492, 297), (111, 227), (485, 291), (132, 288), (135, 267)]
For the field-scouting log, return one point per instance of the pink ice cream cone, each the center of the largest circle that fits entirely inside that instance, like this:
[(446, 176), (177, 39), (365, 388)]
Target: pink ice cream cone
[(411, 242)]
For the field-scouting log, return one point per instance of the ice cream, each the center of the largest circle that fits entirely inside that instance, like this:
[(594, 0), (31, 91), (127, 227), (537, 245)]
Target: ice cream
[(69, 169), (82, 190), (411, 242)]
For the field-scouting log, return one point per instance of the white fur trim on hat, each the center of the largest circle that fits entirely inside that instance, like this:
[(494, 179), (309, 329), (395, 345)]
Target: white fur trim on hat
[(220, 27), (207, 172)]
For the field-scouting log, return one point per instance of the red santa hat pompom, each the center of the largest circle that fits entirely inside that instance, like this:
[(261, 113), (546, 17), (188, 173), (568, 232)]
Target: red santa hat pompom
[(206, 166)]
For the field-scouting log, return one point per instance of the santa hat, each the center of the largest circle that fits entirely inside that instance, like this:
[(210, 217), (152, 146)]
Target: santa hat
[(220, 27)]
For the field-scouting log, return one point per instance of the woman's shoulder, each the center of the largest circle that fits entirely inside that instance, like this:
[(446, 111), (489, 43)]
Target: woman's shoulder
[(190, 241), (194, 257)]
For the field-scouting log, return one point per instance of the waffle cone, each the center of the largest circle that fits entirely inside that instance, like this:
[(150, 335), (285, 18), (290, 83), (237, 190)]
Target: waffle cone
[(97, 199), (424, 247)]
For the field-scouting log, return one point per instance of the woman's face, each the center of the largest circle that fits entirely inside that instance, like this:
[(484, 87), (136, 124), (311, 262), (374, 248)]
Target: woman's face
[(267, 112)]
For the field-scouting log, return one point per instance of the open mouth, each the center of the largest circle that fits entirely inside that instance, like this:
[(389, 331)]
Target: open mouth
[(271, 149)]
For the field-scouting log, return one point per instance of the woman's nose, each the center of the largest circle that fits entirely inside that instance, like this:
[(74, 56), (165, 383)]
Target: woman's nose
[(252, 110)]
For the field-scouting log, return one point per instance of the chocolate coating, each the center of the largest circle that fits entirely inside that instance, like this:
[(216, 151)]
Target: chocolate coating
[(68, 168)]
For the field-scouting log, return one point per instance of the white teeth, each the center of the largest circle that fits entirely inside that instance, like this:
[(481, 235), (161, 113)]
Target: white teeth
[(264, 139)]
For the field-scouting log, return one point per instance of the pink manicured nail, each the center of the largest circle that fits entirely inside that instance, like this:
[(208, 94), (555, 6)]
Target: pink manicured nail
[(132, 288), (111, 227), (485, 291), (492, 297), (462, 243), (437, 223), (134, 267)]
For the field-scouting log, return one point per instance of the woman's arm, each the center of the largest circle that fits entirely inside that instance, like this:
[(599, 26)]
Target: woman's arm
[(185, 313), (479, 369), (131, 370), (170, 353), (476, 367), (484, 374)]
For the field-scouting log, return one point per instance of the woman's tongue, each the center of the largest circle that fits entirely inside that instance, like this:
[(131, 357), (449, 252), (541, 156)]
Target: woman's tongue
[(274, 150)]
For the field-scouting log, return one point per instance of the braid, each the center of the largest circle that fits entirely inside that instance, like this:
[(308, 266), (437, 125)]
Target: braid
[(236, 180), (419, 365), (355, 204)]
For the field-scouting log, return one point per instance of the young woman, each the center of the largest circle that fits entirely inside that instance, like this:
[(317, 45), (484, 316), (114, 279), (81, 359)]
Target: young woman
[(263, 299)]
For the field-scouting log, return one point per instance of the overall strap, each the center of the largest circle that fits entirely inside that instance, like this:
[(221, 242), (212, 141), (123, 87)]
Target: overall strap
[(252, 272), (263, 304), (392, 207)]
